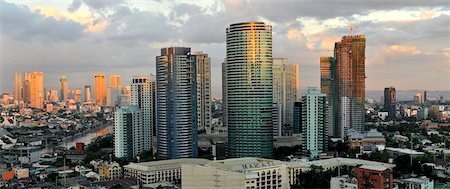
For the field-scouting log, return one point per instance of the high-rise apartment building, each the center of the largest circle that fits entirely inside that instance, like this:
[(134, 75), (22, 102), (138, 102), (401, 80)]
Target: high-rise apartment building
[(176, 104), (424, 97), (115, 81), (64, 88), (202, 81), (26, 88), (37, 90), (100, 89), (126, 119), (18, 86), (114, 90), (390, 101), (285, 88), (125, 97), (87, 93), (248, 92), (328, 87), (350, 78), (314, 122), (143, 88)]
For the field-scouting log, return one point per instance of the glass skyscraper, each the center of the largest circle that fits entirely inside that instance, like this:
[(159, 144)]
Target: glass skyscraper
[(176, 104), (248, 89), (328, 87)]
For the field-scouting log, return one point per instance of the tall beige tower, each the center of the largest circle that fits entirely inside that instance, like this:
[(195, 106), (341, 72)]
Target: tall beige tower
[(114, 90), (285, 89), (37, 90), (100, 89), (18, 86)]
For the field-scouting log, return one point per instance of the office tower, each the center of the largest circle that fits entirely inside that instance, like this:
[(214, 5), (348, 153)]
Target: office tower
[(53, 96), (37, 90), (114, 81), (297, 118), (314, 122), (87, 93), (350, 78), (64, 88), (100, 89), (114, 90), (424, 97), (390, 101), (202, 81), (285, 87), (328, 87), (143, 88), (125, 97), (176, 105), (418, 98), (77, 95), (26, 88), (18, 86), (126, 119), (248, 90)]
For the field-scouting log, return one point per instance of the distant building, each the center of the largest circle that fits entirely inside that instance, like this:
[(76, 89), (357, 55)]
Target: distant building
[(395, 152), (422, 113), (77, 95), (418, 183), (390, 101), (18, 86), (87, 93), (37, 90), (114, 90), (297, 125), (374, 177), (285, 88), (343, 182), (366, 141), (126, 119), (314, 122), (63, 88), (100, 89), (110, 171), (201, 63)]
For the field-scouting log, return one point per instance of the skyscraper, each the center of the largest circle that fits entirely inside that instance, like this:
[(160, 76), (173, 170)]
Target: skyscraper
[(77, 95), (114, 90), (37, 90), (18, 86), (64, 88), (328, 87), (390, 101), (53, 96), (350, 78), (126, 119), (202, 81), (100, 89), (143, 88), (285, 87), (87, 93), (297, 118), (424, 97), (26, 88), (314, 122), (176, 104), (248, 89)]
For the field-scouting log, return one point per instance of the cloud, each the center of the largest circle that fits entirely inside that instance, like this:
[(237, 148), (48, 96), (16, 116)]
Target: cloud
[(74, 6)]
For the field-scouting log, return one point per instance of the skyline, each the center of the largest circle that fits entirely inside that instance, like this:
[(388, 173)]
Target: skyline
[(131, 36)]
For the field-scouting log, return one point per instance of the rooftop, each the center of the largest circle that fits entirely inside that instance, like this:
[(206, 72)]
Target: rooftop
[(165, 164), (373, 167), (405, 151)]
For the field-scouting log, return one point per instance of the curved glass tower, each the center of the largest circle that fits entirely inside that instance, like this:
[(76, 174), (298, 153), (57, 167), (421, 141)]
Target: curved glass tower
[(248, 89)]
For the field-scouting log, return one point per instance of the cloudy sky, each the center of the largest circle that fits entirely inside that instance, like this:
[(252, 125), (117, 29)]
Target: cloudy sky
[(408, 42)]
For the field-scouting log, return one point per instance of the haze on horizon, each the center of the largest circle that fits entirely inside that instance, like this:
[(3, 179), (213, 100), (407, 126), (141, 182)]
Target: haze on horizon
[(408, 41)]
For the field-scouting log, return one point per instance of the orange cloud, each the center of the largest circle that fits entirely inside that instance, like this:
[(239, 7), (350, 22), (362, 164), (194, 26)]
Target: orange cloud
[(407, 49), (97, 27)]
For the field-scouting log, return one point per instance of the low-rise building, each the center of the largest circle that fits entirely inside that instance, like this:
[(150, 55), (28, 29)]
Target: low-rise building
[(366, 141), (418, 183), (370, 176), (395, 152), (343, 182), (110, 171)]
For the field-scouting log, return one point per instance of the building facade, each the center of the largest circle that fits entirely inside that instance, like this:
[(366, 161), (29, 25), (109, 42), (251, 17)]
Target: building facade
[(176, 104), (202, 81), (143, 88), (374, 177), (285, 88), (37, 90), (350, 78), (314, 122), (390, 101), (100, 89), (248, 89), (297, 128), (18, 86), (63, 88), (126, 119), (87, 93), (328, 87)]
